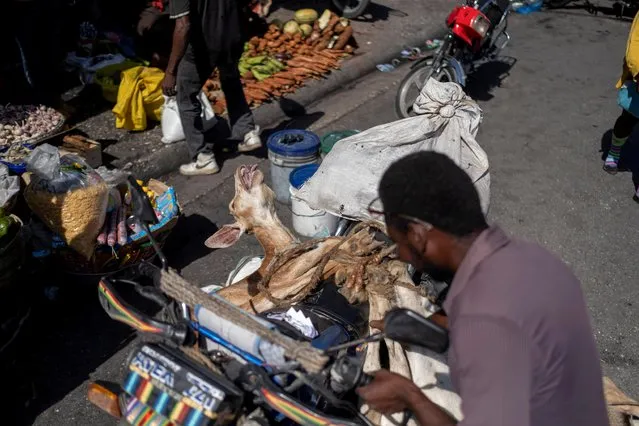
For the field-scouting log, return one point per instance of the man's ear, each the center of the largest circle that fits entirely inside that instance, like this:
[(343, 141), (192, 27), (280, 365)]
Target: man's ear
[(417, 236), (225, 237)]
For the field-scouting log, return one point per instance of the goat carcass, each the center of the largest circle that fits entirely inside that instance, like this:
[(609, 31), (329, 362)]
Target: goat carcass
[(359, 263)]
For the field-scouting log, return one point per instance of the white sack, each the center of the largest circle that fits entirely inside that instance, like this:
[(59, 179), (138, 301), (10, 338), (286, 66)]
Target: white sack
[(348, 178), (172, 130)]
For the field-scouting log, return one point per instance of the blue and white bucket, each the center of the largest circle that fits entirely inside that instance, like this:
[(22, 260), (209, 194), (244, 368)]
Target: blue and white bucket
[(309, 222), (287, 150)]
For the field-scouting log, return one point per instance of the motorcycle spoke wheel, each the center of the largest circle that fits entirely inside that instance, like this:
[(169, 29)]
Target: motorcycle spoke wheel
[(412, 85), (351, 8)]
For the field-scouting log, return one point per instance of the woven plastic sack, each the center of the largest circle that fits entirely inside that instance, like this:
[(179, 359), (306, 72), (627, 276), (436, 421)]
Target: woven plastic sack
[(68, 196), (447, 122)]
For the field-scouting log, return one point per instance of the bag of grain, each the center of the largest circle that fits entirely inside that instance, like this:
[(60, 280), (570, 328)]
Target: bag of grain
[(68, 196)]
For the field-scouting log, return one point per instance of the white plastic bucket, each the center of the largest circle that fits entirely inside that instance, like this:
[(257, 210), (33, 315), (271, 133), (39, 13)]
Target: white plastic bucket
[(281, 168), (309, 222)]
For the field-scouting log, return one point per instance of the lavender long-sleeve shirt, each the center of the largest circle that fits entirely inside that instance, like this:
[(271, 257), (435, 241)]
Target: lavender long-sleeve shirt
[(522, 349)]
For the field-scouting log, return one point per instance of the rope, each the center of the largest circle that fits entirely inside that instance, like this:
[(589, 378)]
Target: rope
[(311, 359), (285, 256)]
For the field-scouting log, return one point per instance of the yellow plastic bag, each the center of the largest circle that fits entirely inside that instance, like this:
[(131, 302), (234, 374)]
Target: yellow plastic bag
[(139, 98)]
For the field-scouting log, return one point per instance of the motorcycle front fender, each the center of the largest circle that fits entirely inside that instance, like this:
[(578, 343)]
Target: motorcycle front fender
[(421, 62), (459, 71)]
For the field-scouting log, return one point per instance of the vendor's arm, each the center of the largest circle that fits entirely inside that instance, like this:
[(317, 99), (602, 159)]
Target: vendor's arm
[(391, 393), (179, 10), (492, 362)]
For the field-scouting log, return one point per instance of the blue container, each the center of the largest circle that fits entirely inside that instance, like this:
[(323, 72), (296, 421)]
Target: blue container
[(300, 175), (288, 150), (17, 168)]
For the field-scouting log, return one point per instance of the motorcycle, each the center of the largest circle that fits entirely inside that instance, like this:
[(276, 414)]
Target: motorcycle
[(218, 364), (477, 33)]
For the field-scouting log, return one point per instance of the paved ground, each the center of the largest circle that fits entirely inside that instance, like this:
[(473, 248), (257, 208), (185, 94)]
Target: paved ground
[(543, 129)]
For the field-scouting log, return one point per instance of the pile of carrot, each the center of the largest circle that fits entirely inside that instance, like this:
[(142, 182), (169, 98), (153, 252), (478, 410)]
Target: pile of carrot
[(306, 57)]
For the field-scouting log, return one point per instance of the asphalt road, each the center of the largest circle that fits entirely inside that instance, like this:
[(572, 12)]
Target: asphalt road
[(545, 120)]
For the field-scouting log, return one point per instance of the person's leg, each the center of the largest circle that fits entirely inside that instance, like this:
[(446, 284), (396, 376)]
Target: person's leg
[(241, 119), (190, 78), (620, 134), (189, 84)]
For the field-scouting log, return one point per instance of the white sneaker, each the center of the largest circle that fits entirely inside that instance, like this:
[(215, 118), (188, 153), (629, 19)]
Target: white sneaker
[(205, 165), (252, 141)]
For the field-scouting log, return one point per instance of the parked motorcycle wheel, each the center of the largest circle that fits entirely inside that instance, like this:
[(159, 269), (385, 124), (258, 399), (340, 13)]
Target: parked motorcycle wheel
[(351, 8), (412, 84)]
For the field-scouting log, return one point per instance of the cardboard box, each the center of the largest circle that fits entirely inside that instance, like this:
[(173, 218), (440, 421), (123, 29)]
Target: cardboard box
[(89, 150)]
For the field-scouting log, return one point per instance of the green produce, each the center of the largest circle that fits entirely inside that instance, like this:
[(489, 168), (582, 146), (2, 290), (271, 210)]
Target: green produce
[(306, 29), (291, 28), (6, 222), (261, 66), (256, 60), (306, 16), (259, 76), (276, 64), (324, 19)]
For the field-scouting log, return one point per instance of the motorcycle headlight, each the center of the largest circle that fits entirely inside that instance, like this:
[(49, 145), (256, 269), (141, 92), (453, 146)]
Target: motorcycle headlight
[(480, 24)]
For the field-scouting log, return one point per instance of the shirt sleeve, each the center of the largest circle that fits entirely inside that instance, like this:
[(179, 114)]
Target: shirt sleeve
[(493, 369), (179, 8)]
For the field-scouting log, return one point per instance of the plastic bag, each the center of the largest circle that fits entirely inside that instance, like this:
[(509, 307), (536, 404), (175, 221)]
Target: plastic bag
[(9, 186), (348, 178), (68, 196), (172, 130), (113, 177), (139, 98)]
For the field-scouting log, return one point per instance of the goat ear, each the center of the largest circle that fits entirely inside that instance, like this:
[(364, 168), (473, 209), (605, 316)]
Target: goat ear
[(225, 237)]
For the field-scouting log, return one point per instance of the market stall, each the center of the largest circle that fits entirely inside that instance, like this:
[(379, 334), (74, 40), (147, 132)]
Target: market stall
[(287, 56), (274, 63), (70, 207), (82, 217)]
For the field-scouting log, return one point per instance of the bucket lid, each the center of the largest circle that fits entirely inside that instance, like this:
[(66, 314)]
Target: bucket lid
[(330, 139), (300, 175), (293, 143)]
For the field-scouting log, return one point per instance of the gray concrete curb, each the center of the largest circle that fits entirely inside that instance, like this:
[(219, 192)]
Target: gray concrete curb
[(168, 158)]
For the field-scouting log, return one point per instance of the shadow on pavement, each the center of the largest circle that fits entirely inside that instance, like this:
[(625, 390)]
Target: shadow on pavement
[(378, 12), (298, 118), (186, 243), (68, 336), (487, 77), (594, 11)]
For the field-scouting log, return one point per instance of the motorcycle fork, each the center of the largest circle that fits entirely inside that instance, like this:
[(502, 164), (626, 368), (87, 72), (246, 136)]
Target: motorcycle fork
[(438, 62)]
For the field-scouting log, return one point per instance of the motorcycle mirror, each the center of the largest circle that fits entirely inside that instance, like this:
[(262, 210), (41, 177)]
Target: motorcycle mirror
[(143, 211), (140, 204), (410, 328)]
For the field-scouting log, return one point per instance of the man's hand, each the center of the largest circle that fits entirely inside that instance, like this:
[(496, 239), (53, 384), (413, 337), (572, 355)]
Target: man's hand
[(168, 84), (389, 393)]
